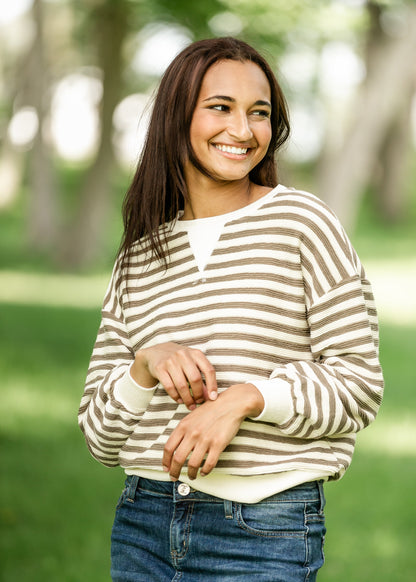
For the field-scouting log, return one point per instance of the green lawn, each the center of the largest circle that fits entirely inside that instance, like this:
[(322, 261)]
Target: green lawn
[(56, 502)]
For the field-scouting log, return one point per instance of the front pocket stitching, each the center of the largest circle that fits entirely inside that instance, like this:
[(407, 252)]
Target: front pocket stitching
[(268, 533)]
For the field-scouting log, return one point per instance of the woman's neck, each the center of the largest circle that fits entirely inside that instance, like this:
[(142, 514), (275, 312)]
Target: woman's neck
[(221, 198)]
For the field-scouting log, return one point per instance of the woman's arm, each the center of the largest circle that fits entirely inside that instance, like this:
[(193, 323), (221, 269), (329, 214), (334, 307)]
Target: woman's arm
[(120, 383), (111, 403), (206, 431), (340, 390)]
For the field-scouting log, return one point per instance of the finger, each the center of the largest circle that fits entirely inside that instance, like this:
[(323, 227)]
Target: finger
[(210, 462), (197, 367), (176, 466), (208, 371), (178, 459), (195, 460), (195, 383), (182, 387), (169, 385), (192, 373), (170, 447)]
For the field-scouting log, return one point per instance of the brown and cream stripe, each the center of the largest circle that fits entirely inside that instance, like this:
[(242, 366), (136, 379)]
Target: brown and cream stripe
[(283, 295)]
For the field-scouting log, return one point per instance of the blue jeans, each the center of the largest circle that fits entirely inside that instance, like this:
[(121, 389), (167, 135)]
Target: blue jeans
[(168, 532)]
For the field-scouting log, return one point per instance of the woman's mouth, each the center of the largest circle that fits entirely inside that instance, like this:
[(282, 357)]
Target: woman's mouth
[(231, 149)]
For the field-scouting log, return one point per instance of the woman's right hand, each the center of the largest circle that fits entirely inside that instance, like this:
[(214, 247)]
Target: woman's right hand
[(185, 373)]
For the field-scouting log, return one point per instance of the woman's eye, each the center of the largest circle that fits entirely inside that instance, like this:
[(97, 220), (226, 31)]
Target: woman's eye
[(261, 113), (220, 107)]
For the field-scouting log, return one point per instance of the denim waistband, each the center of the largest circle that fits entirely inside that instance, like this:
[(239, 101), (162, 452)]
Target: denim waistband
[(179, 491)]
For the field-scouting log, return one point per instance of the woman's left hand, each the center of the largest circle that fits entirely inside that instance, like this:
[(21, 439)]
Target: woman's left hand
[(206, 431)]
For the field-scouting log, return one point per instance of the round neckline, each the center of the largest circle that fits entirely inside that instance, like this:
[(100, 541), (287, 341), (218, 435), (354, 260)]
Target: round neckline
[(228, 215)]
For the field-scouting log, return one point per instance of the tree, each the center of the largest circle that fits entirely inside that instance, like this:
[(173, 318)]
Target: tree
[(372, 149), (377, 129), (108, 23)]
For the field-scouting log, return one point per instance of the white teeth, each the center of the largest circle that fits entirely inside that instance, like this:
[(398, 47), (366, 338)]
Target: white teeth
[(232, 149)]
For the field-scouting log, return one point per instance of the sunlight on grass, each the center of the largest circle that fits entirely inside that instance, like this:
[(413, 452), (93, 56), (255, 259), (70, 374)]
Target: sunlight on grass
[(394, 286), (25, 403), (385, 544), (52, 290), (391, 435)]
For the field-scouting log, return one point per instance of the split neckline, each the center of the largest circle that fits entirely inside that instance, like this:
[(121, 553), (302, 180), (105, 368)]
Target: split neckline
[(204, 233)]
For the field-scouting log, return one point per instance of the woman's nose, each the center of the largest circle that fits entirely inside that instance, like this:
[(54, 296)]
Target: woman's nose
[(239, 127)]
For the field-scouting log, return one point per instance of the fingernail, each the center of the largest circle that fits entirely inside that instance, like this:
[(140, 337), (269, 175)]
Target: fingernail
[(213, 395), (166, 469), (192, 407), (179, 401)]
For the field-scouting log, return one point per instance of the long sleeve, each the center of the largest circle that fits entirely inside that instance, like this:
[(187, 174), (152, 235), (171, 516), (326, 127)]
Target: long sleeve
[(339, 391), (112, 402)]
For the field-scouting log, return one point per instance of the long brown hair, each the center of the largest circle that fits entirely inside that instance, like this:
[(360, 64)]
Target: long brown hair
[(158, 189)]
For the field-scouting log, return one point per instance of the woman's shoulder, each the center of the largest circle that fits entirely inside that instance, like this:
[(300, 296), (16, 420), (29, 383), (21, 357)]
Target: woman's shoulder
[(300, 206), (298, 197)]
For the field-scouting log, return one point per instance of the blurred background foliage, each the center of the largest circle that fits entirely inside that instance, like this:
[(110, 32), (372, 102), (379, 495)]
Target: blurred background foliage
[(76, 83), (76, 80)]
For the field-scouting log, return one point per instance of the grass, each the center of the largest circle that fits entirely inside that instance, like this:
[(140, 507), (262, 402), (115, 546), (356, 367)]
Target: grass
[(57, 503), (370, 512)]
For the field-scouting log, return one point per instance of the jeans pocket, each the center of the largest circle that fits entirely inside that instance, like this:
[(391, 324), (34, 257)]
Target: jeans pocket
[(274, 519)]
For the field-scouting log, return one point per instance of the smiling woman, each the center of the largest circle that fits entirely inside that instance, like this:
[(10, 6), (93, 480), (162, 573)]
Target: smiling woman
[(237, 355), (159, 191), (230, 135)]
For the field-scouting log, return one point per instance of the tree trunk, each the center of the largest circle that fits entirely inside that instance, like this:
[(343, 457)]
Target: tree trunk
[(42, 201), (345, 171), (82, 246), (394, 166), (11, 173)]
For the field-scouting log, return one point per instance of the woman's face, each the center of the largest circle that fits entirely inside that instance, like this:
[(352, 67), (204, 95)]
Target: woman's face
[(230, 129)]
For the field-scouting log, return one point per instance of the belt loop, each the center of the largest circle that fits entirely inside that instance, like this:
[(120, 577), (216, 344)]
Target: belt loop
[(134, 482), (228, 509), (321, 495)]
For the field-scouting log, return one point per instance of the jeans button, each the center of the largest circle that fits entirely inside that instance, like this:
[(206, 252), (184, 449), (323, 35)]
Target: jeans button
[(183, 489)]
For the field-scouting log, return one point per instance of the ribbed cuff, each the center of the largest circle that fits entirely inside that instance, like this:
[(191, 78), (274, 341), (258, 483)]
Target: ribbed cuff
[(278, 404), (130, 394)]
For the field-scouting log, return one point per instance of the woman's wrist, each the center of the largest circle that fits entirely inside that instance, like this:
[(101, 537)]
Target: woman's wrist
[(249, 398), (140, 373)]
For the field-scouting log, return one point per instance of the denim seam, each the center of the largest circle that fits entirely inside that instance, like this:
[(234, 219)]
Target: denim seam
[(305, 523), (290, 500), (155, 493), (187, 528)]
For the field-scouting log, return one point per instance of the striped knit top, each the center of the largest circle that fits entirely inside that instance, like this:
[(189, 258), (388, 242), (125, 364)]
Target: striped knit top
[(283, 303)]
